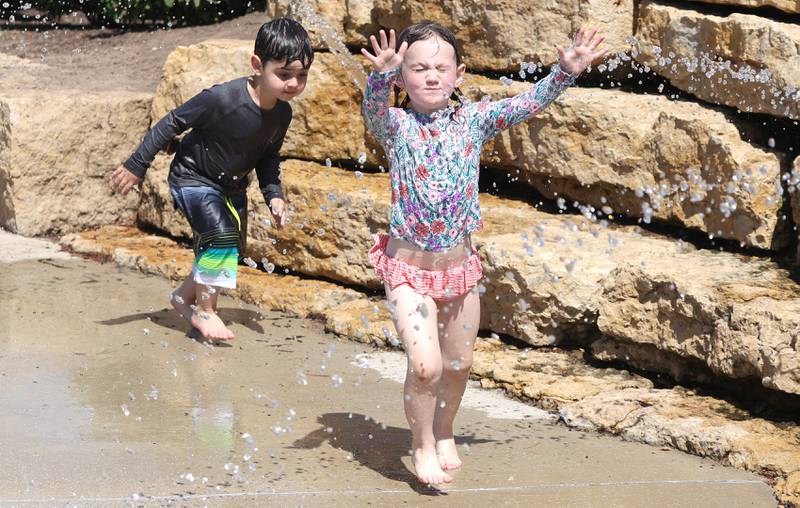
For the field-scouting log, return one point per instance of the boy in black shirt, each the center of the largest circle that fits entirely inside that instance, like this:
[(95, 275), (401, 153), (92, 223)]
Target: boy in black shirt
[(236, 126)]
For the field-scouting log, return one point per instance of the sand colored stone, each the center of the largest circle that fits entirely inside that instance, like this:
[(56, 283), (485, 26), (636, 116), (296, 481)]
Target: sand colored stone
[(56, 153), (547, 378), (157, 255), (739, 317), (501, 34), (740, 60), (645, 156), (792, 6)]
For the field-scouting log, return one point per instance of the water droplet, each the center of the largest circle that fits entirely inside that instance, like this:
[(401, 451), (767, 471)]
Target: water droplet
[(146, 332), (125, 410), (249, 262), (362, 158), (328, 162)]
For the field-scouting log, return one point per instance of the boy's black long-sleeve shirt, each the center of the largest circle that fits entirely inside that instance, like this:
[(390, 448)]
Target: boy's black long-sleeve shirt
[(230, 136)]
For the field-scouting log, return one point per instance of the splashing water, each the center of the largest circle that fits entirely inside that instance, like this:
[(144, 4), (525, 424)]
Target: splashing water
[(311, 19)]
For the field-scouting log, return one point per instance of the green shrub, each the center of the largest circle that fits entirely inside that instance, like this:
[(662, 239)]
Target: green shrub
[(140, 12)]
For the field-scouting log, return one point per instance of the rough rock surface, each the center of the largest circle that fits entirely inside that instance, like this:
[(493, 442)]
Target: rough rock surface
[(741, 60), (127, 246), (501, 34), (738, 316), (784, 5), (648, 157), (55, 159)]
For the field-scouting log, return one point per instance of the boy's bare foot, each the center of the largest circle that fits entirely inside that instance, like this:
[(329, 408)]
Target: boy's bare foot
[(427, 468), (210, 325), (180, 304), (447, 453)]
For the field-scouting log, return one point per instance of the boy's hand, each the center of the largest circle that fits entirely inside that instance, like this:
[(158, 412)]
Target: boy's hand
[(277, 207), (122, 180), (582, 53), (385, 57)]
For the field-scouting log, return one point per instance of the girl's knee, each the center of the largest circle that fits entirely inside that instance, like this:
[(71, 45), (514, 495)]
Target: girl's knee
[(457, 366), (426, 374)]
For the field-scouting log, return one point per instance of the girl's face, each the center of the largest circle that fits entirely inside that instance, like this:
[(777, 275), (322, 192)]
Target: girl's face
[(429, 74)]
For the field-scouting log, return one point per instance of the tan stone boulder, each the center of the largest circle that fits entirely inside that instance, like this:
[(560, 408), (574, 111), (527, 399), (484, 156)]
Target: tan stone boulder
[(695, 424), (132, 248), (548, 378), (329, 22), (544, 282), (334, 214), (56, 155), (501, 34), (741, 60), (739, 317), (645, 156), (364, 320), (326, 119), (784, 5)]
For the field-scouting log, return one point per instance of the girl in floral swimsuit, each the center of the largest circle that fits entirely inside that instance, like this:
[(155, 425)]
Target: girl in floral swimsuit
[(427, 262)]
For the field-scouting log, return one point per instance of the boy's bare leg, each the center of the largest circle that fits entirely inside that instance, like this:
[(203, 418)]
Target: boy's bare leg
[(414, 318), (184, 297), (205, 317), (458, 326)]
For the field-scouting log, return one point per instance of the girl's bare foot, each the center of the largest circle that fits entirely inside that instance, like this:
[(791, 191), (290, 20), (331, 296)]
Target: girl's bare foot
[(180, 304), (447, 453), (427, 468), (210, 325)]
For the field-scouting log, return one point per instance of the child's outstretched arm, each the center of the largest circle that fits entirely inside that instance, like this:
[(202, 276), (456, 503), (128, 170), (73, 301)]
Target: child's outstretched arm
[(193, 113), (385, 62), (493, 117)]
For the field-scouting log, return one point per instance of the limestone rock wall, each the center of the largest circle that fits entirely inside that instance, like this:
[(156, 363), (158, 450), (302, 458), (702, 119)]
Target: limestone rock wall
[(741, 60), (648, 157), (55, 159)]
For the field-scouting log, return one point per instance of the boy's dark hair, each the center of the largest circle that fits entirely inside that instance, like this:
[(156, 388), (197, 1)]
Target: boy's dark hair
[(420, 32), (284, 39)]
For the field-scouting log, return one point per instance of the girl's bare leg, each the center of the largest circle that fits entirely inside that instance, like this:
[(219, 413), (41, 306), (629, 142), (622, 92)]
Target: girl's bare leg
[(458, 322), (415, 319)]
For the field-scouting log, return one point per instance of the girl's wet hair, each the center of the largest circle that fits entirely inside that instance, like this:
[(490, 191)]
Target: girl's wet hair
[(422, 31), (284, 39)]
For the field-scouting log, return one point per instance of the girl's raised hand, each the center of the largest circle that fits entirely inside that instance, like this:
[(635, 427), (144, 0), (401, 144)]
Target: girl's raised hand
[(385, 57), (582, 53)]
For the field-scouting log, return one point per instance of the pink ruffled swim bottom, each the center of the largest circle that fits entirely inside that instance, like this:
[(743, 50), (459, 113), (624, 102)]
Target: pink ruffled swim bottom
[(438, 284)]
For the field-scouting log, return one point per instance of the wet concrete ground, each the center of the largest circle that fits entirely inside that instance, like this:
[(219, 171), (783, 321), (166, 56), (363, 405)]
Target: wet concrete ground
[(105, 401)]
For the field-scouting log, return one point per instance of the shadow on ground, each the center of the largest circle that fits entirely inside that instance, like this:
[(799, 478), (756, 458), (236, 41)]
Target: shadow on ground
[(375, 445)]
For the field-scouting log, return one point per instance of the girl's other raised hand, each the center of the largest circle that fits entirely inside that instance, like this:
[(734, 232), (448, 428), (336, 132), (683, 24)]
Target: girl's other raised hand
[(576, 58), (386, 58)]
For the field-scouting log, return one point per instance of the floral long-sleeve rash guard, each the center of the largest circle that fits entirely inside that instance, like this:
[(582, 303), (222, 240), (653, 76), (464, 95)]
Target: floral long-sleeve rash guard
[(434, 159)]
